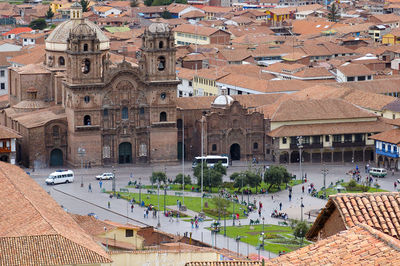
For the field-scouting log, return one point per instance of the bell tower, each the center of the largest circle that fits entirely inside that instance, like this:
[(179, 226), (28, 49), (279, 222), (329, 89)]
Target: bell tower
[(157, 62), (85, 58)]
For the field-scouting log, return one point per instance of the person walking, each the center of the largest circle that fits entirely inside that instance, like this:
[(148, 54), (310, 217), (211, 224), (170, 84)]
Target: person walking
[(144, 214), (280, 206), (392, 171), (259, 213), (100, 183), (90, 187), (395, 185), (147, 213), (290, 197), (109, 205), (132, 207), (302, 188)]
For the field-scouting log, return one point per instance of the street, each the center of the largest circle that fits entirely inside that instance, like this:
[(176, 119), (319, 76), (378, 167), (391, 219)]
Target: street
[(79, 200)]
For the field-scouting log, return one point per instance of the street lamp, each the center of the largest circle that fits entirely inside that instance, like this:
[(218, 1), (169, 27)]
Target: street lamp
[(202, 161), (225, 221), (165, 195), (301, 206), (158, 209), (324, 171), (183, 159), (300, 146), (140, 190), (81, 154), (242, 187), (233, 215), (113, 180)]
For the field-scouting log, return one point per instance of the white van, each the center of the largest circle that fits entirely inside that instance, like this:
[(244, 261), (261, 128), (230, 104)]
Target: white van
[(60, 176), (378, 172)]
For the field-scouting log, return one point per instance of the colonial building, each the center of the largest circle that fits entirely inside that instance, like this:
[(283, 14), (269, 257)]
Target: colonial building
[(78, 100)]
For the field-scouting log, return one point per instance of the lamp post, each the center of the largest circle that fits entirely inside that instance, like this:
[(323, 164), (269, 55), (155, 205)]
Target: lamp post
[(113, 180), (183, 159), (81, 153), (224, 221), (140, 190), (233, 215), (165, 195), (300, 146), (202, 161), (209, 180), (158, 209), (324, 171), (242, 188), (301, 206)]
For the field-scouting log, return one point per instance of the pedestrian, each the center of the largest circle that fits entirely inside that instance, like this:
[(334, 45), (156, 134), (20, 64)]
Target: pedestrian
[(302, 188), (259, 213), (272, 197), (309, 215), (144, 214), (147, 213), (197, 224), (191, 221), (131, 207), (109, 205), (100, 183), (395, 185), (280, 206), (90, 187), (290, 197)]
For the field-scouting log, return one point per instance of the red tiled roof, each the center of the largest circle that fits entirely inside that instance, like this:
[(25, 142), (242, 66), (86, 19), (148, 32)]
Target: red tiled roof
[(360, 245), (18, 30)]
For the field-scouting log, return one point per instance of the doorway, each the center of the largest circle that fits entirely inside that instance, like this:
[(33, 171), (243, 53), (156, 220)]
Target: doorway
[(56, 158), (125, 153), (235, 152)]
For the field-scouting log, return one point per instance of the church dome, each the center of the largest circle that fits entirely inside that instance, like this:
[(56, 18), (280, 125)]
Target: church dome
[(83, 30), (58, 38), (159, 27), (222, 101)]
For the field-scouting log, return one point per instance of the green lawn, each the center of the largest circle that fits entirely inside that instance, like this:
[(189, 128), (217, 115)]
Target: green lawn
[(332, 191), (277, 238), (192, 203), (177, 187)]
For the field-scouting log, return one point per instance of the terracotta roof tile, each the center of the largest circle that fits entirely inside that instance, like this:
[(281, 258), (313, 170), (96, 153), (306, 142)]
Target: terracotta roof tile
[(360, 245), (42, 233)]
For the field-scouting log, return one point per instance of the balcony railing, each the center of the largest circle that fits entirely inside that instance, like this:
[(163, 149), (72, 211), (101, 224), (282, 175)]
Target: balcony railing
[(348, 144), (307, 146)]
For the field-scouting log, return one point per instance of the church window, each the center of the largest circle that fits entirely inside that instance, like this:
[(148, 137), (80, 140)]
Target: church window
[(105, 112), (124, 113), (255, 146), (61, 61), (214, 147), (161, 45), (161, 63), (141, 110), (179, 123), (163, 117), (85, 47), (85, 66), (56, 131), (87, 121), (86, 99), (163, 96)]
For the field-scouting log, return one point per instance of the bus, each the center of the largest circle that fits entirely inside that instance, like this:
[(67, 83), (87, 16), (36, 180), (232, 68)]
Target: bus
[(211, 160), (60, 176)]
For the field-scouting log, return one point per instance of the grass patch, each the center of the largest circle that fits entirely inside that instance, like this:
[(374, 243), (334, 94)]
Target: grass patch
[(197, 188), (277, 238), (333, 190), (192, 203)]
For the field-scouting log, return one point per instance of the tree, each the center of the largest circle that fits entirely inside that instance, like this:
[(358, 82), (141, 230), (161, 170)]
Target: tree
[(221, 205), (240, 179), (300, 230), (178, 179), (333, 14), (134, 3), (166, 15), (38, 24), (49, 14), (212, 177), (85, 5), (253, 179), (148, 2), (276, 175), (158, 177)]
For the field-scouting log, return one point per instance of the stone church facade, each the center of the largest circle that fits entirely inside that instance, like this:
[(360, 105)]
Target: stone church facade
[(78, 100)]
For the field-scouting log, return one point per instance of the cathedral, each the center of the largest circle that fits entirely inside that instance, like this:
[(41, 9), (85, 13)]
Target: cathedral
[(77, 106)]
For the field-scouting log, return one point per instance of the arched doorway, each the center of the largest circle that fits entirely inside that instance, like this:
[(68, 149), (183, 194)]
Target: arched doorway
[(295, 157), (56, 158), (125, 152), (4, 158), (235, 152)]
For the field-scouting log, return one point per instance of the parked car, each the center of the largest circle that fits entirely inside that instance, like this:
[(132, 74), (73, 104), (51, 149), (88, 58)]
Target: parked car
[(104, 176)]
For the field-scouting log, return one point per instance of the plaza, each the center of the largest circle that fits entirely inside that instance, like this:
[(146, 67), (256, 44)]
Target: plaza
[(77, 199)]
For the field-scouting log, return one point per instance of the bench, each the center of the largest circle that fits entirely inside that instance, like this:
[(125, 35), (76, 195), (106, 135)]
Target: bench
[(205, 195), (178, 193), (283, 223), (151, 191), (124, 190)]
